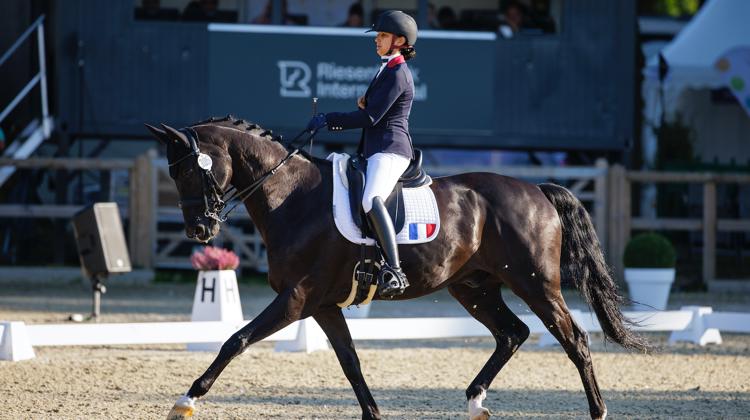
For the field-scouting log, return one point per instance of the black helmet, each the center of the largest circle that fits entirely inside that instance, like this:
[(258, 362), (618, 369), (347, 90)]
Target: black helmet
[(398, 23)]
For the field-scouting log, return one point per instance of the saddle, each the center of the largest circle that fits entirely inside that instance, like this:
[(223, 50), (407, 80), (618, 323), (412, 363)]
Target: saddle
[(413, 177)]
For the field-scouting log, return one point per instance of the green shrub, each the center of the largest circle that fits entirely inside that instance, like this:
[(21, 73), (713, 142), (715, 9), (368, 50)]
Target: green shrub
[(649, 250)]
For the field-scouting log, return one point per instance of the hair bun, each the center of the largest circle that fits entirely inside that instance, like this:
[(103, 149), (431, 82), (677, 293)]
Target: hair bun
[(408, 53)]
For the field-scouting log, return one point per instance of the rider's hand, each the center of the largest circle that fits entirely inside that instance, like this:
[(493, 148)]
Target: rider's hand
[(361, 102), (317, 122)]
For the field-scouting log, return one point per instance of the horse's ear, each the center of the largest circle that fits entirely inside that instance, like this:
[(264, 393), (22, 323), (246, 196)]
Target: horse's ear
[(176, 135), (160, 135)]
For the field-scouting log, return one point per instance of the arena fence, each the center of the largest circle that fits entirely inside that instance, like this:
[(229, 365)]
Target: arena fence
[(695, 324), (156, 234)]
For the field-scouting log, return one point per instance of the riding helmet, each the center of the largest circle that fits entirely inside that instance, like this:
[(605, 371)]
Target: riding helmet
[(398, 23)]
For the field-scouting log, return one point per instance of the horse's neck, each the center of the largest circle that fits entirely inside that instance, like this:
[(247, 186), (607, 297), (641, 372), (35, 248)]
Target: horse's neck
[(289, 183)]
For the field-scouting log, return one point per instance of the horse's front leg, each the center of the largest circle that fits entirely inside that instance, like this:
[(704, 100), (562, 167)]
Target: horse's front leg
[(332, 321), (285, 309)]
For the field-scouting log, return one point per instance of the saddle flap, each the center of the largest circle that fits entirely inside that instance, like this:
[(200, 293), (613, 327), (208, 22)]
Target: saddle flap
[(355, 172), (355, 175)]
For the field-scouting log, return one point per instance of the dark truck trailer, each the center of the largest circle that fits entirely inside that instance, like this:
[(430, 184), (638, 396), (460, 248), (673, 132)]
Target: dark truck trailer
[(568, 90)]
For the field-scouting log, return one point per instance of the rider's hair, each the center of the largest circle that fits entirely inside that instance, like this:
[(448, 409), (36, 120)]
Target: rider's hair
[(408, 53)]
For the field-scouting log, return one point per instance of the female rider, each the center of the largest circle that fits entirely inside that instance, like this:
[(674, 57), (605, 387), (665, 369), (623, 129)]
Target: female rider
[(383, 115)]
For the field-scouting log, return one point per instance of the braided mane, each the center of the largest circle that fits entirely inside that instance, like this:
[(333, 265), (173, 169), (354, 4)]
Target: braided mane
[(254, 129), (238, 124)]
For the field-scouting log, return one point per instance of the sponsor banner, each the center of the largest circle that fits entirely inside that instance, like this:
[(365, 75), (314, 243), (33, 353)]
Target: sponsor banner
[(270, 76)]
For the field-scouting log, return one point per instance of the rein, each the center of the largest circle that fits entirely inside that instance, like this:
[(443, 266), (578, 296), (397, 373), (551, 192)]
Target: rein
[(215, 204)]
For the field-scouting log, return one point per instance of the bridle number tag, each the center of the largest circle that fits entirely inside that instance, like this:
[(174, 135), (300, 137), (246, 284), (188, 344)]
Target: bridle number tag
[(204, 161)]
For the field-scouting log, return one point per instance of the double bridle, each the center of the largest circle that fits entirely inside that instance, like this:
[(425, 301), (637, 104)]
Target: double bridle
[(216, 200)]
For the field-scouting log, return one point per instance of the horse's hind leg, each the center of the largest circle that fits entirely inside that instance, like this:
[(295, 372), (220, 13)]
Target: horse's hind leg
[(334, 325), (550, 307), (486, 305)]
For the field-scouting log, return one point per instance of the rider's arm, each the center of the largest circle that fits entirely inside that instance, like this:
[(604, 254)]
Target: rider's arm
[(378, 103)]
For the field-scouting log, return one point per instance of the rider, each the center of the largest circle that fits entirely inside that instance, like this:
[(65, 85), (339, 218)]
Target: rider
[(383, 114)]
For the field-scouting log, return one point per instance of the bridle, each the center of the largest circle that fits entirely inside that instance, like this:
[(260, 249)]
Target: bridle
[(213, 199)]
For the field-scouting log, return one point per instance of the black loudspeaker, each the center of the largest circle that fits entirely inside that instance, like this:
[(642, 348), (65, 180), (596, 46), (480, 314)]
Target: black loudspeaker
[(101, 242)]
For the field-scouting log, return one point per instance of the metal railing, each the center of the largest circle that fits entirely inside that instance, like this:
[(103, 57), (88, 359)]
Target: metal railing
[(39, 79), (38, 130)]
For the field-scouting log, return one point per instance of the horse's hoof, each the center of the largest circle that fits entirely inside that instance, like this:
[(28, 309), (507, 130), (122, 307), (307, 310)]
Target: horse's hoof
[(183, 409), (483, 414)]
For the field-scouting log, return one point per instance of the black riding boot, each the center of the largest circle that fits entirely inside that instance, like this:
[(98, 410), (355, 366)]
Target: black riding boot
[(391, 280)]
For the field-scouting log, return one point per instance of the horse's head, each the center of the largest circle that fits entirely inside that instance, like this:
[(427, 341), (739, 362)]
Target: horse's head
[(201, 170)]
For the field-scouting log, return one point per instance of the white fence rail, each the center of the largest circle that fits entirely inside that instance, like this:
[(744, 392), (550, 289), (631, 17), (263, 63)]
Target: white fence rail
[(693, 324)]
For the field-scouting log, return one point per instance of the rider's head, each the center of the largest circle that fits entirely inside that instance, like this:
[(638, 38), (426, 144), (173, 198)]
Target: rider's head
[(397, 31)]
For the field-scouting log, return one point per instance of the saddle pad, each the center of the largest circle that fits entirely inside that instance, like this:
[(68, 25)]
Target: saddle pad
[(422, 222)]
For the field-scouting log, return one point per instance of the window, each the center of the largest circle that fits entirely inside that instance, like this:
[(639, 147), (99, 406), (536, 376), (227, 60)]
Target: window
[(187, 10), (508, 17)]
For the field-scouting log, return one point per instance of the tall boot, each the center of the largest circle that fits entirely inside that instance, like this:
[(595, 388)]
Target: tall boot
[(391, 280)]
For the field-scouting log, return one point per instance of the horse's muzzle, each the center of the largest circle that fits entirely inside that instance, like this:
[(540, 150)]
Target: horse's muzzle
[(201, 232)]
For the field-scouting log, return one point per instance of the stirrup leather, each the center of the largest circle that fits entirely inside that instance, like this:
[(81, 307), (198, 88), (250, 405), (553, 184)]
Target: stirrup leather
[(391, 281)]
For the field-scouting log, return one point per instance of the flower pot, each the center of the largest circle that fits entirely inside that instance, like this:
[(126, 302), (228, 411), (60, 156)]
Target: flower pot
[(649, 287)]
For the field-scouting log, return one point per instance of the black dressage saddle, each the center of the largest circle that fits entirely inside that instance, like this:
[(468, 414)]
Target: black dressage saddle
[(413, 177)]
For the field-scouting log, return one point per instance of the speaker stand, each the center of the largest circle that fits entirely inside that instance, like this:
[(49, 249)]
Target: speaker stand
[(98, 289)]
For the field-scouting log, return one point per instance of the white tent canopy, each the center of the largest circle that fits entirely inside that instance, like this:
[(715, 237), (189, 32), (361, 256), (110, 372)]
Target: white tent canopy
[(718, 27)]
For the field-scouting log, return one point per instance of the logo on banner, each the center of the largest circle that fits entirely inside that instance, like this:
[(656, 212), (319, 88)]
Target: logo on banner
[(333, 80), (295, 78)]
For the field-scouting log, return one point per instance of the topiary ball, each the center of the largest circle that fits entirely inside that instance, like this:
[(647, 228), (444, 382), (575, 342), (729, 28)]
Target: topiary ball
[(649, 250)]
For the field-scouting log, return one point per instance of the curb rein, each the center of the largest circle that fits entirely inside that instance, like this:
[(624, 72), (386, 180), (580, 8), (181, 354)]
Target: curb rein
[(215, 203)]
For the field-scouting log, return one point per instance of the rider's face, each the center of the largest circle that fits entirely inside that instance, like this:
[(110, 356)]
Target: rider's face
[(383, 42)]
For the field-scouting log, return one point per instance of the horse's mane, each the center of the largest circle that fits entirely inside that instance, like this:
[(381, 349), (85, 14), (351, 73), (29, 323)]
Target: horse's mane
[(256, 130)]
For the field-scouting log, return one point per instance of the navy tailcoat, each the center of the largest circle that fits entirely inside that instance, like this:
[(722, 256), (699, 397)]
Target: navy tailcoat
[(385, 119)]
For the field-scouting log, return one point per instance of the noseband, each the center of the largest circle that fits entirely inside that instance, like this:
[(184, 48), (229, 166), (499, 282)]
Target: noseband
[(213, 199)]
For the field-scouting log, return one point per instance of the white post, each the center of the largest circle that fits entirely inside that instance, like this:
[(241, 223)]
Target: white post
[(14, 342), (217, 298), (697, 332), (43, 80), (310, 337)]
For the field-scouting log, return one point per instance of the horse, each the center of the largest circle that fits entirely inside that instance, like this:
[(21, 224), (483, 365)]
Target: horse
[(495, 231)]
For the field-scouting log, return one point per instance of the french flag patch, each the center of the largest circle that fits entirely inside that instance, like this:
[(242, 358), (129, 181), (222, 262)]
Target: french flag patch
[(421, 230)]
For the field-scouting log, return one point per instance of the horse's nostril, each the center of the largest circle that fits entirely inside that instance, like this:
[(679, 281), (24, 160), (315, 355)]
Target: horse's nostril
[(200, 231)]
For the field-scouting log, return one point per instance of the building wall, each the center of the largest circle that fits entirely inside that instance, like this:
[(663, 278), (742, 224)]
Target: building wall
[(571, 89)]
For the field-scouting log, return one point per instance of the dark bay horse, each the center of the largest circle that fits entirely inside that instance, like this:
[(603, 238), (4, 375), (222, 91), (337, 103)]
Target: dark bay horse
[(495, 231)]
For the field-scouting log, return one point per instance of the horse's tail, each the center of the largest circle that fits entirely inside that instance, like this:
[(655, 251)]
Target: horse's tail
[(582, 261)]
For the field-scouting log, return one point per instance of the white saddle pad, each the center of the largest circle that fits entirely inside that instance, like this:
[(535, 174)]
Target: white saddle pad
[(422, 222)]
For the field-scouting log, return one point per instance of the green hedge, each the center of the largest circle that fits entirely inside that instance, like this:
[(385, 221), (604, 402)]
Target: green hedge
[(649, 250)]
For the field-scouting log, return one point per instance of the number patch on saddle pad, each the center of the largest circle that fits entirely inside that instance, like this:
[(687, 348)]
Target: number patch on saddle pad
[(422, 216)]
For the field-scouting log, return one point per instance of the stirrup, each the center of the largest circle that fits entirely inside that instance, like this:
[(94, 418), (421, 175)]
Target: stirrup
[(391, 282)]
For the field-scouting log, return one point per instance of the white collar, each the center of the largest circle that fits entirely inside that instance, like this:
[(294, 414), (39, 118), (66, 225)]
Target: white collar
[(388, 57)]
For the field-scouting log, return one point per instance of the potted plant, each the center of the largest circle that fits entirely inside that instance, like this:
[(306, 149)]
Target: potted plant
[(217, 297), (649, 269)]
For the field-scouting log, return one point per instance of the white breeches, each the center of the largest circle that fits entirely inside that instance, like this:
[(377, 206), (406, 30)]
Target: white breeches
[(383, 172)]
